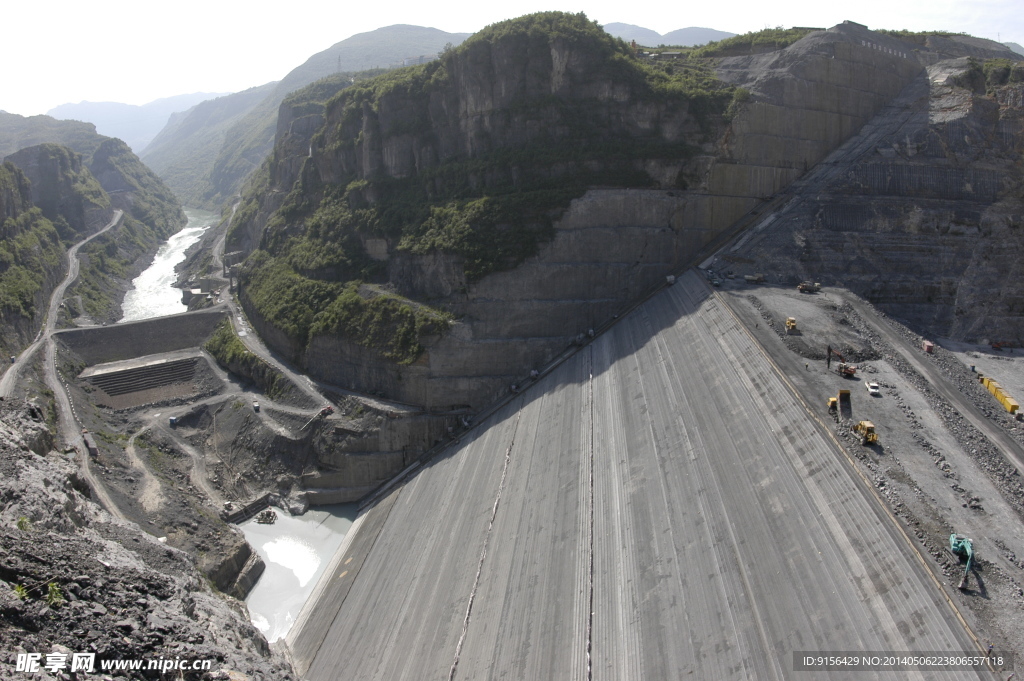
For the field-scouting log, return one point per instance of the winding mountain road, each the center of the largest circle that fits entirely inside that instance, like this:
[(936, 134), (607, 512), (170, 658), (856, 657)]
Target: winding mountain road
[(68, 429), (10, 377)]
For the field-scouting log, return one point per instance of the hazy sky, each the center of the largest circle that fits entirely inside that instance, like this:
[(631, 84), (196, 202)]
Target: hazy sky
[(134, 52)]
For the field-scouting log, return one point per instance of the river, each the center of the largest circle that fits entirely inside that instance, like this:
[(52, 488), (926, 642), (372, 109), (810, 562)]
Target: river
[(295, 549), (153, 293)]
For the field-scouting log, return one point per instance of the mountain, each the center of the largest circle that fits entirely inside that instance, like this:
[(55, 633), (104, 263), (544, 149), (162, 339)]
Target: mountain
[(436, 232), (76, 177), (401, 204), (136, 125), (18, 132), (694, 36), (207, 153), (628, 32), (683, 37), (184, 152), (1015, 47)]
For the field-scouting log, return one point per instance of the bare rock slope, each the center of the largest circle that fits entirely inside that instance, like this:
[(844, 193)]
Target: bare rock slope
[(73, 579)]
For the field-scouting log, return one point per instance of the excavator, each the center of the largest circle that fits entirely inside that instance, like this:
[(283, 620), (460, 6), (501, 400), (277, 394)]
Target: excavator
[(843, 368), (963, 550)]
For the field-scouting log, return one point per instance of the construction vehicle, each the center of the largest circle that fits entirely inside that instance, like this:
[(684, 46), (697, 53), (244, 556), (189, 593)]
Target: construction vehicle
[(963, 550), (833, 408), (843, 368), (839, 406), (756, 278), (1009, 404), (808, 287), (790, 324), (322, 414), (867, 433)]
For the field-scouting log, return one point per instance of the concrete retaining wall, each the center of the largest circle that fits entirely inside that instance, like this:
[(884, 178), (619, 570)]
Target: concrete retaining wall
[(99, 344)]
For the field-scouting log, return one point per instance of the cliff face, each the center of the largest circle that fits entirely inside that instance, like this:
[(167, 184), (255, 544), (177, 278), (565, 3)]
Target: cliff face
[(438, 184), (63, 188)]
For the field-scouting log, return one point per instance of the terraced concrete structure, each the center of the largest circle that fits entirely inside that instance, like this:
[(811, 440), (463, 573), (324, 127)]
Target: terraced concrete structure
[(658, 506)]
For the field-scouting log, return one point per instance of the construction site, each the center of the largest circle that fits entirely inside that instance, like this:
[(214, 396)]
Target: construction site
[(728, 465)]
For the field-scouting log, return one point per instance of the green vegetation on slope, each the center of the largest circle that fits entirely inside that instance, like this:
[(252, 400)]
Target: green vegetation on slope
[(231, 353), (303, 308), (30, 255), (384, 322), (755, 42), (29, 252)]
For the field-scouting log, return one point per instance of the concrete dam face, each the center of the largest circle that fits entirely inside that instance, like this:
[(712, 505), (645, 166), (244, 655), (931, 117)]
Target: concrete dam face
[(625, 515)]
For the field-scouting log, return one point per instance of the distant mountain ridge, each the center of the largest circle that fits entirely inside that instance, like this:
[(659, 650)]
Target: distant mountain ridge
[(133, 124), (205, 154), (683, 37), (1016, 47)]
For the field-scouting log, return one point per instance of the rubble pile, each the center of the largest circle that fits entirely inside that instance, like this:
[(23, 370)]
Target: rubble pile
[(75, 580)]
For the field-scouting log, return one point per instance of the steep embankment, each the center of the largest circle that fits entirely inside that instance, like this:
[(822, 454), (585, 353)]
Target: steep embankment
[(206, 153), (531, 184), (77, 186), (921, 212)]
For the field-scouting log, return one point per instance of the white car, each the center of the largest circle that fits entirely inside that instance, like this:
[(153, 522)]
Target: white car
[(872, 388)]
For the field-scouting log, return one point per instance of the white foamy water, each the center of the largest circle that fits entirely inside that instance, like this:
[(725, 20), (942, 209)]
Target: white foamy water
[(153, 293), (296, 551), (296, 555)]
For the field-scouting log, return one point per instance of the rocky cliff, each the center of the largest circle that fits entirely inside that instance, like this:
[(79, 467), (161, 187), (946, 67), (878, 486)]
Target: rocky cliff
[(31, 261), (64, 189)]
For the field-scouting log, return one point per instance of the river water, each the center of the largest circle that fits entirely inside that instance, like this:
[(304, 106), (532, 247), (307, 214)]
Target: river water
[(153, 293), (295, 549)]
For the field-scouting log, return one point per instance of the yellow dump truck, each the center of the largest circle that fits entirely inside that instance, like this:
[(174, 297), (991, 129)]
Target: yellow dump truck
[(1009, 404)]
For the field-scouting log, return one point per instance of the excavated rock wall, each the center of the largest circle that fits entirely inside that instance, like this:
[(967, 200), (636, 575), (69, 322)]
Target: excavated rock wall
[(920, 213)]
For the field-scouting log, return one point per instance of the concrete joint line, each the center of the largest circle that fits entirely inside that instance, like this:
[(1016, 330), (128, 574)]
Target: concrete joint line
[(483, 552), (590, 511)]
